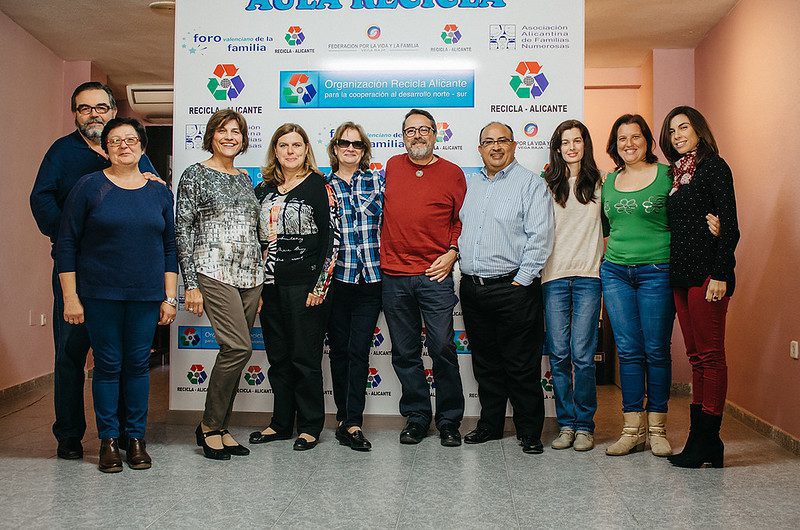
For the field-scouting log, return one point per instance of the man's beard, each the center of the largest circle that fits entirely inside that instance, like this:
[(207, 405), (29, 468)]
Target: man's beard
[(91, 134), (420, 151)]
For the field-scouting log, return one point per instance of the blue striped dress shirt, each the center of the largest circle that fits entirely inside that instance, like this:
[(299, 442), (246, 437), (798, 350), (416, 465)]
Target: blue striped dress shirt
[(507, 224)]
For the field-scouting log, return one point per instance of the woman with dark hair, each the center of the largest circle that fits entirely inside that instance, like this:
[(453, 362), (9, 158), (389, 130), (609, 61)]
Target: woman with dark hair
[(702, 271), (298, 231), (635, 279), (118, 273), (355, 292), (222, 271), (571, 283)]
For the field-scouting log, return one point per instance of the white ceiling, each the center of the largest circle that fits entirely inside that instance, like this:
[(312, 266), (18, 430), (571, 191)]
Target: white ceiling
[(134, 44)]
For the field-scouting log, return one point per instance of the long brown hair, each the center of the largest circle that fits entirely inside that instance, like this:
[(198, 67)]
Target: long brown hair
[(272, 172), (557, 173), (706, 147), (630, 119)]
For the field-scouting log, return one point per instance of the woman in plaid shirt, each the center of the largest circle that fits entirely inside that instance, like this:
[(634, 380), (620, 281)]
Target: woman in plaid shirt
[(356, 289)]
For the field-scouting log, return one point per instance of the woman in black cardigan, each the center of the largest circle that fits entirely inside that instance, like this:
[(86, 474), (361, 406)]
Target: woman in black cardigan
[(701, 271)]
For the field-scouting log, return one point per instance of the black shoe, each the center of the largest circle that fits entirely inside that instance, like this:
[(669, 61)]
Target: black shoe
[(481, 435), (235, 450), (353, 440), (450, 436), (413, 433), (208, 451), (708, 448), (110, 460), (301, 444), (691, 447), (70, 449), (257, 437), (136, 454), (531, 446)]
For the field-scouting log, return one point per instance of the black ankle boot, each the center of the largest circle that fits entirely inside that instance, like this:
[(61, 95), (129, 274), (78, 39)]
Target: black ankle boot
[(709, 446), (695, 409)]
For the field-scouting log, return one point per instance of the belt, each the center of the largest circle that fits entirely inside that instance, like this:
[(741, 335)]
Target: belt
[(477, 280)]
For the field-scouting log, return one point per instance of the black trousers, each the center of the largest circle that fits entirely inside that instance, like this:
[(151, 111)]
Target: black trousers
[(293, 335), (354, 312), (505, 327)]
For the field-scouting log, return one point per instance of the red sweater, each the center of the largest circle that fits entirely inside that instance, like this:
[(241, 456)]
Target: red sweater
[(420, 214)]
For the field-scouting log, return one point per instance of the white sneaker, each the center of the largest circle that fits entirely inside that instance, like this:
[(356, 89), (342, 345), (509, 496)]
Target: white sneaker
[(564, 440)]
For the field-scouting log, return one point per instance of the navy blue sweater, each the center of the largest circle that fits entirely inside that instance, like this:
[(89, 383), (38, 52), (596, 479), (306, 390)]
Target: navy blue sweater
[(119, 242), (67, 160)]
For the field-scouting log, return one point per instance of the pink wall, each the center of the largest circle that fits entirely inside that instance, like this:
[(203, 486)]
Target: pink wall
[(26, 351), (746, 85)]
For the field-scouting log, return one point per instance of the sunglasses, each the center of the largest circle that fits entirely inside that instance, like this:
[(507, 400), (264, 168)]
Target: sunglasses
[(344, 144)]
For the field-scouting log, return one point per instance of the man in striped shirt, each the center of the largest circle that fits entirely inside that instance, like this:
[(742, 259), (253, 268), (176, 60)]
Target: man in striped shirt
[(506, 238)]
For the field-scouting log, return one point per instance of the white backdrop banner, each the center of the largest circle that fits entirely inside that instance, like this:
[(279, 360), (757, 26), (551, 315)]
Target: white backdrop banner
[(321, 62)]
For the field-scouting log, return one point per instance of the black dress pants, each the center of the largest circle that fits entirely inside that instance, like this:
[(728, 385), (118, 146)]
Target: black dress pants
[(505, 328)]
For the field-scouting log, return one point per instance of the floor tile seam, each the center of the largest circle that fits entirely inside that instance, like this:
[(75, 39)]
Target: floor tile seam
[(163, 514), (405, 489), (510, 489), (297, 494), (612, 486)]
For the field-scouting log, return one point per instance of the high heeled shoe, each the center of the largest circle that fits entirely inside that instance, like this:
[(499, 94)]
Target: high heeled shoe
[(208, 451), (235, 450)]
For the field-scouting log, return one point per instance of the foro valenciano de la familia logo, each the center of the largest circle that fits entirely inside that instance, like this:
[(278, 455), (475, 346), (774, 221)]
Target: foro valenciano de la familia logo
[(227, 83), (254, 376), (529, 81), (373, 378), (197, 374), (299, 89)]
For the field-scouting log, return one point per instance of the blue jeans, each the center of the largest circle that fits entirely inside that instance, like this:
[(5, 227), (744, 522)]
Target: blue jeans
[(642, 311), (403, 299), (572, 312), (121, 333)]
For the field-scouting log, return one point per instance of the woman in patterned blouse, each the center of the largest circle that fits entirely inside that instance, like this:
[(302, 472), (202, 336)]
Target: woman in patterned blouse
[(702, 274), (220, 260), (298, 230)]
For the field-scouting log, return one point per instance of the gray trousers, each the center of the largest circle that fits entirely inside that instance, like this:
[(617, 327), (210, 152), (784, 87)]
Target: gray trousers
[(232, 312)]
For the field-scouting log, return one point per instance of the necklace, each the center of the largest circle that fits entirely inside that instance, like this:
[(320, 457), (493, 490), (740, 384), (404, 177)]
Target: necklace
[(287, 187), (420, 168)]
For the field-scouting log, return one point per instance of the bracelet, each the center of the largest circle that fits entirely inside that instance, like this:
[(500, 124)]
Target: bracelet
[(171, 301)]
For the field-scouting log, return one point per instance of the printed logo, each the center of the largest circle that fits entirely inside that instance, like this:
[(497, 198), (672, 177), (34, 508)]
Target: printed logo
[(429, 378), (254, 376), (443, 132), (451, 34), (461, 341), (547, 382), (373, 378), (299, 89), (197, 374), (226, 83), (377, 167), (377, 337), (194, 135), (530, 81), (189, 338), (374, 32), (502, 36), (531, 130), (626, 205), (294, 36)]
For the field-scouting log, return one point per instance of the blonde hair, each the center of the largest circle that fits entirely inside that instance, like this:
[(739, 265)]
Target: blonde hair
[(272, 172)]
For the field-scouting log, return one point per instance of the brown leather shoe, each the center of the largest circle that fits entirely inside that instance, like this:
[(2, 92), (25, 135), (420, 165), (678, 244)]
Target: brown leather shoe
[(110, 461), (136, 455)]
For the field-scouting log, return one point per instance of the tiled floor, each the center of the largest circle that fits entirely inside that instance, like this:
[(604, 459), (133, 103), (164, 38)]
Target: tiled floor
[(492, 485)]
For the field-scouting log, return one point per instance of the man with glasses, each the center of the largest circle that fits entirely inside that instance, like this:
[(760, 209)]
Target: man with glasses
[(67, 160), (507, 236), (419, 240)]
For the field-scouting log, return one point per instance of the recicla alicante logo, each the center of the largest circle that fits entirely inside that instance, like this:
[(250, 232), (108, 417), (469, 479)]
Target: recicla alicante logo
[(373, 378), (189, 338), (529, 81), (299, 88), (254, 376), (197, 374), (226, 84)]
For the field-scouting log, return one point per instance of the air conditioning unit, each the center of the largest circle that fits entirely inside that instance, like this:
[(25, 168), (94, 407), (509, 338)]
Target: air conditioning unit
[(154, 102)]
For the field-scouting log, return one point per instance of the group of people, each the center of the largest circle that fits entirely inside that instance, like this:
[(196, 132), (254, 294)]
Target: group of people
[(311, 253)]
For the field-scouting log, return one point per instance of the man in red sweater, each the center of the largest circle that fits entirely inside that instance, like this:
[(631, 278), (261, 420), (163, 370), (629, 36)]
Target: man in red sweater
[(419, 240)]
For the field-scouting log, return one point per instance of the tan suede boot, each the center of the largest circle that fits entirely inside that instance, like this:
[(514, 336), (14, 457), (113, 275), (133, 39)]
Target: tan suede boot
[(634, 435), (658, 433)]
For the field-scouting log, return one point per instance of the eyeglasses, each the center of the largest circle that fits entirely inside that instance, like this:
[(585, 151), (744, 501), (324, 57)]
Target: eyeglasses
[(116, 142), (344, 144), (502, 142), (423, 131), (102, 108)]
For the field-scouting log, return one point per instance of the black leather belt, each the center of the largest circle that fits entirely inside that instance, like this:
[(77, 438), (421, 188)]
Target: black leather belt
[(477, 280)]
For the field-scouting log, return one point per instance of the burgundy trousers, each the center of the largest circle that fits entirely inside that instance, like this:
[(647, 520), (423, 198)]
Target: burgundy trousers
[(703, 328)]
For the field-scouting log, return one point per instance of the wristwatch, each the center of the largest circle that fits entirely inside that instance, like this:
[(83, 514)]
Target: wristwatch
[(455, 249), (171, 301)]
